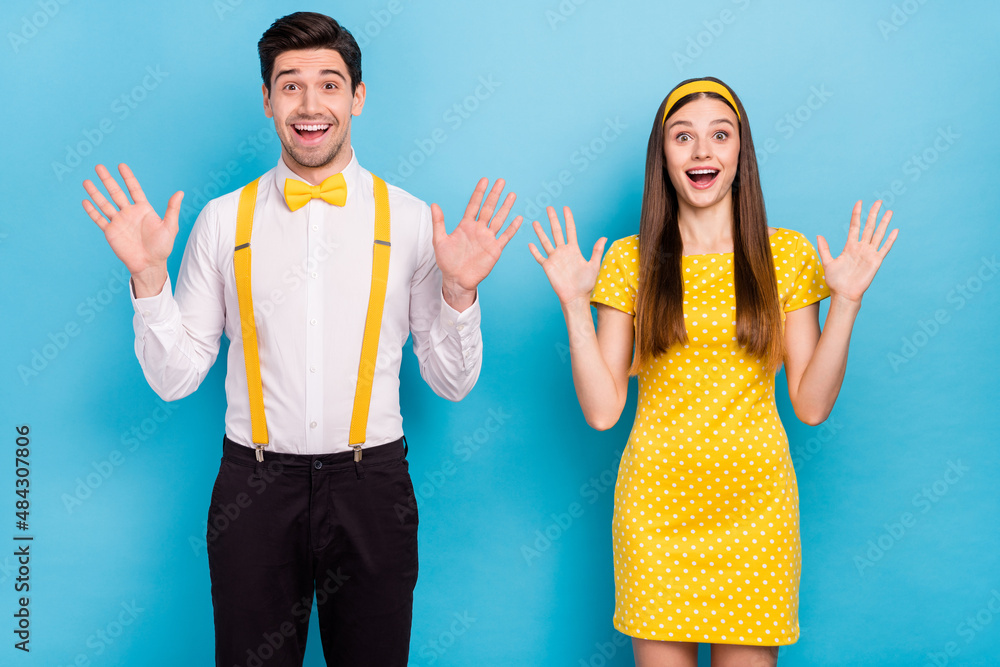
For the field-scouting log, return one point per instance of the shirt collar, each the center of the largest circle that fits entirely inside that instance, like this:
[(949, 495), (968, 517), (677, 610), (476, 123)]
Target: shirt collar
[(350, 172)]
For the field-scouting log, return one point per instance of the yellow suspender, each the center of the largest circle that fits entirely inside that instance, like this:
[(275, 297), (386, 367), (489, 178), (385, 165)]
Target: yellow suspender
[(373, 321), (241, 266)]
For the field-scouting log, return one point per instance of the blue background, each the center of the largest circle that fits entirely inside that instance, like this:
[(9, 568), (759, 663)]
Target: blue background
[(903, 95)]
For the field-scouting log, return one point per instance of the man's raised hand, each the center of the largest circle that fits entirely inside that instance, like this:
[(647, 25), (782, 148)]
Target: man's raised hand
[(469, 253), (136, 234)]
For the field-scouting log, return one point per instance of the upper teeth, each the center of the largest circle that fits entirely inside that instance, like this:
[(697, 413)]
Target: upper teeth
[(702, 171), (311, 128)]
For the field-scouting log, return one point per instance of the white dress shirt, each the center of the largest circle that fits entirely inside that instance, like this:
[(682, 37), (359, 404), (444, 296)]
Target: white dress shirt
[(311, 274)]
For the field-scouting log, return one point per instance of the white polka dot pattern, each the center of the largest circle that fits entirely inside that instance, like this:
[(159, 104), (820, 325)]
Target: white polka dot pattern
[(706, 517)]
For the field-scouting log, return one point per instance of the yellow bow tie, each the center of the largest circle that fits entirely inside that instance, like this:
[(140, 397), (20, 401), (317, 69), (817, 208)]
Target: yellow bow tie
[(333, 190)]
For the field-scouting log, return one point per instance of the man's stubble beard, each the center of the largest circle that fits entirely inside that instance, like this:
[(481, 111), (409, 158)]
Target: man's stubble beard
[(317, 160)]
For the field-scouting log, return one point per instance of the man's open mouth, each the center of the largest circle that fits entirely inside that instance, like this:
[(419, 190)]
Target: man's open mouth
[(311, 131), (702, 178)]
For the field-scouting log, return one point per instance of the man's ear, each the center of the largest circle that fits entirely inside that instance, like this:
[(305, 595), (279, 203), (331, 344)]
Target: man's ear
[(359, 99), (267, 102)]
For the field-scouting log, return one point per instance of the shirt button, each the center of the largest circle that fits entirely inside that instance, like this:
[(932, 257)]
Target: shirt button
[(468, 352), (315, 227), (313, 274), (313, 424), (312, 369), (451, 323), (312, 322), (460, 327), (318, 465)]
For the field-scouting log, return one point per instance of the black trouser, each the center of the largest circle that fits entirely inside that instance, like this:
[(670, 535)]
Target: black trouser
[(295, 524)]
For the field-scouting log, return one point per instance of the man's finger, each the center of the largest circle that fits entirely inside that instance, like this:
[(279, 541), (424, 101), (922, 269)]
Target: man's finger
[(107, 208), (111, 185), (173, 209), (510, 231), (437, 222), (94, 214), (497, 221), (134, 189), (477, 198), (491, 201)]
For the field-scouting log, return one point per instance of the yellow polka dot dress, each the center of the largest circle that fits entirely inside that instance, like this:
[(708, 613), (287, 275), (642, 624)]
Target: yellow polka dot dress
[(706, 515)]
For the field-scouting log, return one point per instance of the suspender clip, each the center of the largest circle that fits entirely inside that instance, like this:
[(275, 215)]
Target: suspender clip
[(260, 452), (357, 452)]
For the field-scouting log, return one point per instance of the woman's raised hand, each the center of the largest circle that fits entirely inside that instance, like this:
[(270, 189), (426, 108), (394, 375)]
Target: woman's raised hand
[(572, 277), (850, 274)]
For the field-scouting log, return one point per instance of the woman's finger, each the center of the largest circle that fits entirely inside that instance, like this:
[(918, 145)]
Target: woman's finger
[(557, 234), (543, 238)]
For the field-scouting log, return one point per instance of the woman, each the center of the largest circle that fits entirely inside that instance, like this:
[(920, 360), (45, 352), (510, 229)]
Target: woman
[(705, 530)]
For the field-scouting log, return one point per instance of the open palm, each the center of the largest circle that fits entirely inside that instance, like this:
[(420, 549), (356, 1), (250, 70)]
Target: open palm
[(850, 274), (136, 234), (571, 276), (469, 253)]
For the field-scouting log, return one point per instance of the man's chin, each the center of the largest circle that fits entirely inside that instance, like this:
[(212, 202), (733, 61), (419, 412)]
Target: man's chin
[(317, 157)]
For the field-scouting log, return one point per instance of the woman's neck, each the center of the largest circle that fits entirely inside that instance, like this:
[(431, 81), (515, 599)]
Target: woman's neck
[(706, 229)]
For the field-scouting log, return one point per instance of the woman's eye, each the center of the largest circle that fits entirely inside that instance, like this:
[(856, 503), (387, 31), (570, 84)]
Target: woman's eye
[(683, 136), (721, 136)]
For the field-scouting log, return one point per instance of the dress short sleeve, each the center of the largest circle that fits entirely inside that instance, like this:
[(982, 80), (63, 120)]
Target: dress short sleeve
[(617, 280), (809, 284)]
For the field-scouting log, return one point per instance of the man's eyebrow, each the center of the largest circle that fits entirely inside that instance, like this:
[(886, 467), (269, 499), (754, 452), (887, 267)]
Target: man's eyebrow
[(325, 72)]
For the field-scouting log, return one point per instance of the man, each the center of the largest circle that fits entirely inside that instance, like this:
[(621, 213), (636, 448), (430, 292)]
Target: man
[(343, 269)]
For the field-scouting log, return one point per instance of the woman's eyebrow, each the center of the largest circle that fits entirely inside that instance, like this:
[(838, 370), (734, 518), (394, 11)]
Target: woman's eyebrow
[(688, 124)]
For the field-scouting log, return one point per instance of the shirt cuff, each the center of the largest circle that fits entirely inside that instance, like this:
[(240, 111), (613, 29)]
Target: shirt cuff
[(153, 309), (467, 320), (464, 326)]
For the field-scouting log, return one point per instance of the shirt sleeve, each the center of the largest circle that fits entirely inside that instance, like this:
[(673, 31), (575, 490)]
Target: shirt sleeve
[(448, 344), (177, 337), (809, 283), (616, 281)]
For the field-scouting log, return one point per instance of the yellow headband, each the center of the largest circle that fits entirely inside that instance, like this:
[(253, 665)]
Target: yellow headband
[(701, 86)]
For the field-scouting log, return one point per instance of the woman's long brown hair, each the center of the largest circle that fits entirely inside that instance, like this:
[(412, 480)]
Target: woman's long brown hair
[(659, 320)]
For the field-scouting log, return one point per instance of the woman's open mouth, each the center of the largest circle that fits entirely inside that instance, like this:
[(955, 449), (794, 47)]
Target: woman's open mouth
[(311, 133), (703, 178)]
